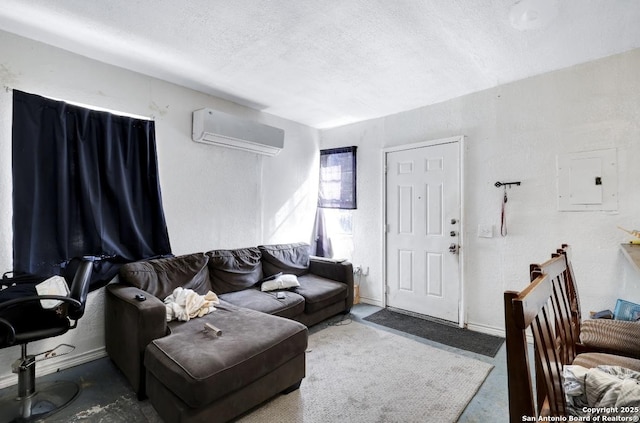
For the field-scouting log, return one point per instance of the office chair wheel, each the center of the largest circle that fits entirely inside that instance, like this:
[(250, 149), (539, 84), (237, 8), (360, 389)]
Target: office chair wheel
[(48, 398)]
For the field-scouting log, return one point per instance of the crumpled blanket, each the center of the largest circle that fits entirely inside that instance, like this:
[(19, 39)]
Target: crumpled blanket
[(604, 390), (184, 304)]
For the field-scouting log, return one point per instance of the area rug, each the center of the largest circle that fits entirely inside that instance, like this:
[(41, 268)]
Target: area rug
[(465, 339), (357, 373)]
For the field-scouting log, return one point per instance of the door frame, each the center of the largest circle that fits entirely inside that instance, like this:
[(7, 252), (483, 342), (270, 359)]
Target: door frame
[(462, 314)]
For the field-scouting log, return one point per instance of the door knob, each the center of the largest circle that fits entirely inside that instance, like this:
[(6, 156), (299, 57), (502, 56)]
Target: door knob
[(453, 248), (454, 221)]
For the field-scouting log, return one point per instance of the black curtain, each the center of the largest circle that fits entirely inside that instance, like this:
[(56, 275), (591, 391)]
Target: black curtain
[(85, 182)]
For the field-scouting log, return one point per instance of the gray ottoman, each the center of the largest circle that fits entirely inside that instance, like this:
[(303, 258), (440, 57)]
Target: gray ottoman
[(195, 376)]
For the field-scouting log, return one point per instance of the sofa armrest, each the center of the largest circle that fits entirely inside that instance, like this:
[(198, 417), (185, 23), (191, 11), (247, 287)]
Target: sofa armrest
[(340, 271), (130, 325)]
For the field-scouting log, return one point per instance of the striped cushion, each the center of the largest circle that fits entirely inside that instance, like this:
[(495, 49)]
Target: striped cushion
[(614, 335)]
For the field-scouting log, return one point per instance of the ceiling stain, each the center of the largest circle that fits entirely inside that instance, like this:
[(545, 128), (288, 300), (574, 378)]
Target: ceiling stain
[(8, 78), (160, 110)]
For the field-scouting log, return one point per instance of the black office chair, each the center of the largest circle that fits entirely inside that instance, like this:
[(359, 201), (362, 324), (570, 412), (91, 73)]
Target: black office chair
[(24, 320)]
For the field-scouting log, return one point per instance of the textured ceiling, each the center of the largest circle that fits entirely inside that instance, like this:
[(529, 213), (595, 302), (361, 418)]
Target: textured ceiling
[(326, 63)]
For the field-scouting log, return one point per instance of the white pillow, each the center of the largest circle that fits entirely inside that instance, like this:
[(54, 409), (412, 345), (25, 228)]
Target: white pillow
[(281, 282)]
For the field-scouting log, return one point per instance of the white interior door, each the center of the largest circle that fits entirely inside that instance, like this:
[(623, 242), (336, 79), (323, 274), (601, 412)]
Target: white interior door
[(423, 229)]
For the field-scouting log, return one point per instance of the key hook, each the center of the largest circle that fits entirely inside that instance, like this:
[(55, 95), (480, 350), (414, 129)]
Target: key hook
[(506, 184)]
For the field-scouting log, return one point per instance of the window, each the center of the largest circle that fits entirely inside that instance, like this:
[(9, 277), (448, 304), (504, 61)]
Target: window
[(337, 178), (85, 182), (336, 202)]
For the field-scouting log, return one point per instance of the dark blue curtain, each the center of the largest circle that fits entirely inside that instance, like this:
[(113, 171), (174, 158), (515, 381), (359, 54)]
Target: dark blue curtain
[(85, 182), (321, 245)]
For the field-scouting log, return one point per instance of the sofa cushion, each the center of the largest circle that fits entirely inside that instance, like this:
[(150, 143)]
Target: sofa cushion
[(290, 306), (591, 360), (160, 277), (199, 367), (234, 270), (319, 292), (612, 335), (285, 258)]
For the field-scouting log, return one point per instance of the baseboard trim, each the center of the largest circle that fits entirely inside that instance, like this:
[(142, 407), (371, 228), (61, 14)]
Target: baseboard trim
[(489, 330), (55, 365), (371, 301)]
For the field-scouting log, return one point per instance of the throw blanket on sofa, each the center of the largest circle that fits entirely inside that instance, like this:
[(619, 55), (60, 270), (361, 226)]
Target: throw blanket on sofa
[(604, 390), (184, 304)]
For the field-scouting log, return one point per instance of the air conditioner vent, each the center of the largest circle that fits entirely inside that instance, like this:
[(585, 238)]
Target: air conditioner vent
[(225, 130)]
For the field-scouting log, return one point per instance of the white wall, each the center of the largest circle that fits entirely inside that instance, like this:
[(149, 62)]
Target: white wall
[(514, 133), (213, 197)]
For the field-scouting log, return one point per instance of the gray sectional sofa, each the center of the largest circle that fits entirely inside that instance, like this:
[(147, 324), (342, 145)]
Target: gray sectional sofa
[(189, 373)]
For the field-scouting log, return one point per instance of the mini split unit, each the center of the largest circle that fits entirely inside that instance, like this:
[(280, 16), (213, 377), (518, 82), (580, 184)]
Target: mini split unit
[(225, 130)]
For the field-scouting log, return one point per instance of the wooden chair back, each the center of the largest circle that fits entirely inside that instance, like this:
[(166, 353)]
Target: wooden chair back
[(564, 300), (543, 307)]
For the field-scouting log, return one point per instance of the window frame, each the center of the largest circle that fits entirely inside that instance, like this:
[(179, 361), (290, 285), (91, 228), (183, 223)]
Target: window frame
[(347, 181)]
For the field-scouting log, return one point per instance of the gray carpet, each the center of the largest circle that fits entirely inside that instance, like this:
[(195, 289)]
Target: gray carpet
[(357, 373), (468, 340)]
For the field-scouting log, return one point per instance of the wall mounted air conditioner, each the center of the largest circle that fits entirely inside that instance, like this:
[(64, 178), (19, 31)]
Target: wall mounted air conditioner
[(222, 129)]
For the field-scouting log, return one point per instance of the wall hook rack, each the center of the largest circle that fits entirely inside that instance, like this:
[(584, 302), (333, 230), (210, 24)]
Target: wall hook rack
[(506, 184)]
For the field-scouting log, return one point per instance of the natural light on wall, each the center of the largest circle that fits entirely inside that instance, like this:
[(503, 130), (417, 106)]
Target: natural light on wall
[(299, 200)]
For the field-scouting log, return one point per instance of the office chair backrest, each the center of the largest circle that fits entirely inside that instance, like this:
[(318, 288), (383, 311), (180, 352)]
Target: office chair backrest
[(80, 287)]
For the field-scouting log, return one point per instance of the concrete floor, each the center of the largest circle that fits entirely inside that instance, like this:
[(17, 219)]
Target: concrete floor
[(106, 397)]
